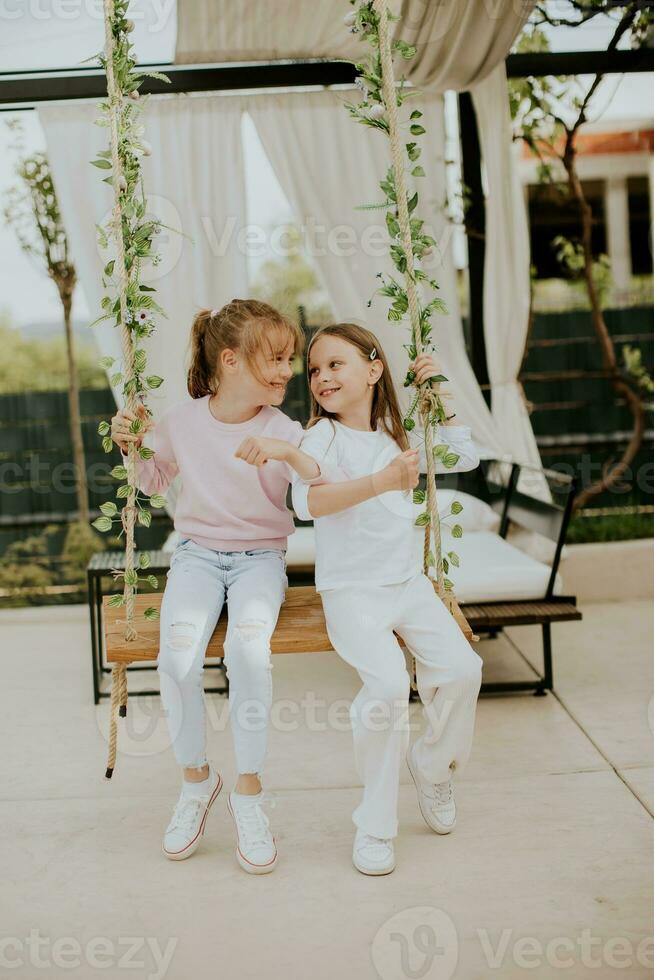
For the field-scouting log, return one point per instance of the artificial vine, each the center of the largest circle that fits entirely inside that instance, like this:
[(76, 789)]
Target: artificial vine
[(130, 304), (409, 243)]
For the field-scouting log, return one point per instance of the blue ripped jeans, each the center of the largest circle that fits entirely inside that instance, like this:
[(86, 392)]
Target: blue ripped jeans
[(198, 582)]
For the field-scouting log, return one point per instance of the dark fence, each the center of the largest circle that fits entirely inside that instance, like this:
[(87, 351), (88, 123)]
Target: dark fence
[(576, 416)]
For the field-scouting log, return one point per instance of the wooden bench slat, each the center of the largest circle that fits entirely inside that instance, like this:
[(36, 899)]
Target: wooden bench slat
[(528, 612)]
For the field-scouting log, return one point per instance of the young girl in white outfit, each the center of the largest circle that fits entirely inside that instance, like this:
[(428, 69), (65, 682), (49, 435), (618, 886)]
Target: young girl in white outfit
[(369, 575), (234, 524)]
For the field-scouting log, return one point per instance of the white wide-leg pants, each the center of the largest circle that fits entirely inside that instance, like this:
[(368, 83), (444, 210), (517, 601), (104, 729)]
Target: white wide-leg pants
[(361, 624)]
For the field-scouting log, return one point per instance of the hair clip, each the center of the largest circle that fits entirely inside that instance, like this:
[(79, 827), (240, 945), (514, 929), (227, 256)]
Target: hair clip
[(214, 312), (373, 354)]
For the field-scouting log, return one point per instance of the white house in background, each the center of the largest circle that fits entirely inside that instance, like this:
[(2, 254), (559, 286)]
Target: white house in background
[(616, 166)]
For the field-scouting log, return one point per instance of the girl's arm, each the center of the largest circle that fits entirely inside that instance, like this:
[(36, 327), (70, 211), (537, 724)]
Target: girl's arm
[(153, 475), (329, 498), (257, 450), (333, 490), (332, 497)]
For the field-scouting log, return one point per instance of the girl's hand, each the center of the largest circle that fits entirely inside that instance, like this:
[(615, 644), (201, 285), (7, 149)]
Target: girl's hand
[(257, 450), (424, 367), (403, 473), (121, 427)]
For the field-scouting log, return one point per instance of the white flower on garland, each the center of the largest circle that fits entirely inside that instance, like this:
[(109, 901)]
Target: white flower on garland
[(140, 316)]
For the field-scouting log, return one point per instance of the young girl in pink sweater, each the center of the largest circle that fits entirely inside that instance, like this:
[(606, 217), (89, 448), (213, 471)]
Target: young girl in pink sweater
[(234, 524)]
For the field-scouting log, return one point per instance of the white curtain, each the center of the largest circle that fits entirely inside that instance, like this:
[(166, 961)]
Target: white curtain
[(506, 275), (328, 166), (194, 181), (458, 43)]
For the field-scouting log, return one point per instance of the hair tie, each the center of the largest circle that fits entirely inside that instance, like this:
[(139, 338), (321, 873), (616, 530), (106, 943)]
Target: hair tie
[(373, 354)]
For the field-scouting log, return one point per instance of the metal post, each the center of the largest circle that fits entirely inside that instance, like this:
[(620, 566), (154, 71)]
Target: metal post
[(475, 223)]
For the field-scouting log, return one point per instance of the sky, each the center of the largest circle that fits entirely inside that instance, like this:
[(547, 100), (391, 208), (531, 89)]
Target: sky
[(50, 34)]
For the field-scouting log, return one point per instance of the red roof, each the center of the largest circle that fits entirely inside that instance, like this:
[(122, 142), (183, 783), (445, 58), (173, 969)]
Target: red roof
[(629, 141)]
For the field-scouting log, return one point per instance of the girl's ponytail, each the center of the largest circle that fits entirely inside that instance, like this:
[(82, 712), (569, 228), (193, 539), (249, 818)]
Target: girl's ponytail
[(201, 375)]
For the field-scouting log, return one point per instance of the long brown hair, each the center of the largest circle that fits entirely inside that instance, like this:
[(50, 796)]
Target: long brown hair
[(385, 410), (244, 325)]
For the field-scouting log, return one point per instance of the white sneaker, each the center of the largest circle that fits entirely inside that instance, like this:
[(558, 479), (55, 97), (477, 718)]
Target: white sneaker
[(373, 855), (436, 800), (184, 832), (256, 851)]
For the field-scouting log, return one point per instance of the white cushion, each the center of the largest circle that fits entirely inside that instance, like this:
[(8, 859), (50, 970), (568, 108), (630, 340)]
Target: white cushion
[(476, 515), (534, 544), (301, 550), (492, 570)]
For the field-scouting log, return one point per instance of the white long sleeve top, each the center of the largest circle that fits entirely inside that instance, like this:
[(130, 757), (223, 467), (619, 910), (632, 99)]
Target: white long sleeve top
[(374, 542)]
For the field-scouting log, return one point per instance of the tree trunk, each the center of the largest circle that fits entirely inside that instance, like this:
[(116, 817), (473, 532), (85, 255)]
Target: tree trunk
[(607, 348), (66, 292)]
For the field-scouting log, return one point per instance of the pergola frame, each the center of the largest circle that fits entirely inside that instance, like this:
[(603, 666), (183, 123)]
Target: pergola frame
[(25, 90)]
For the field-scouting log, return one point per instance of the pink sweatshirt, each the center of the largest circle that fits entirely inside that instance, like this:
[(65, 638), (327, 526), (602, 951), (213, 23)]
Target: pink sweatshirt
[(224, 503)]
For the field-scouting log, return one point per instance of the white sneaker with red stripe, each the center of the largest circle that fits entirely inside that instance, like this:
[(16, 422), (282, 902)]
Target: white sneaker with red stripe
[(256, 851), (184, 832)]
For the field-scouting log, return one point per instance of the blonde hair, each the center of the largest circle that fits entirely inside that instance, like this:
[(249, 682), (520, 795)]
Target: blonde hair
[(244, 325), (385, 409)]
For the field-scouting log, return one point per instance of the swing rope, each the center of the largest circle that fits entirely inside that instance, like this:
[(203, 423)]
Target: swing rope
[(429, 394), (119, 671)]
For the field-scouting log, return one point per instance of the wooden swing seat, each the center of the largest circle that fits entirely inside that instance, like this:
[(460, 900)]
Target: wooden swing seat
[(300, 628)]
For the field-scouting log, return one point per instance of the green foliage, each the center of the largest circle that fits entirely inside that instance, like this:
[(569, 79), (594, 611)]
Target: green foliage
[(42, 365), (609, 527), (548, 113), (80, 544), (633, 365), (372, 111), (570, 255), (26, 565), (128, 302), (32, 210), (31, 566)]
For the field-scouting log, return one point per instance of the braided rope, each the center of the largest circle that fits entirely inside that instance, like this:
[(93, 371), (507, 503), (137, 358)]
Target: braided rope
[(430, 392), (119, 673)]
